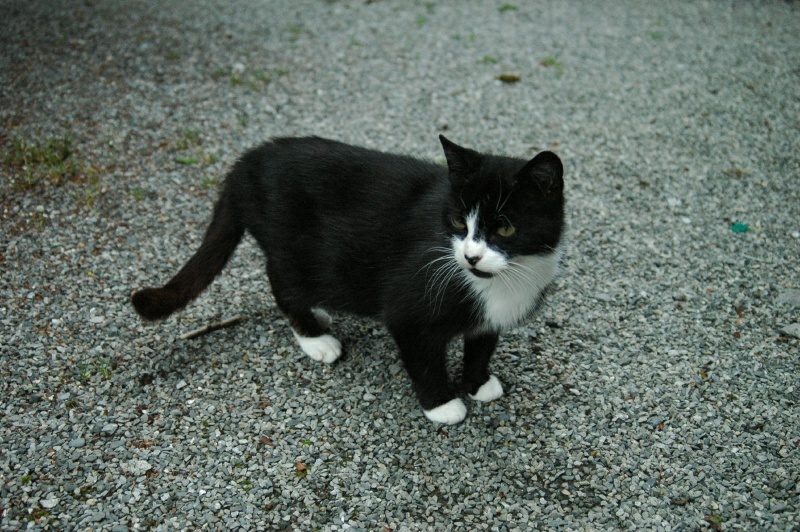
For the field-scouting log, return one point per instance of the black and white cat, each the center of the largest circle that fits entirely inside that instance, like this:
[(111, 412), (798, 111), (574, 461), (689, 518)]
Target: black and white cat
[(433, 252)]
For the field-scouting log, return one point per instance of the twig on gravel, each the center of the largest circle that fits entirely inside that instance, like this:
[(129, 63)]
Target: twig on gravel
[(230, 322)]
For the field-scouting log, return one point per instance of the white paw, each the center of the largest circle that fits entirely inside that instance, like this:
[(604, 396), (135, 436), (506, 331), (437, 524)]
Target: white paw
[(491, 390), (449, 413), (323, 348), (323, 318)]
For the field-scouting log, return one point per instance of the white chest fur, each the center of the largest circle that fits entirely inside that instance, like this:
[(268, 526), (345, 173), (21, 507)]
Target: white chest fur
[(509, 296)]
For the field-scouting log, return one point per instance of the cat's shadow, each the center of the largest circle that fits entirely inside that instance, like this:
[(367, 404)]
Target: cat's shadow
[(367, 348)]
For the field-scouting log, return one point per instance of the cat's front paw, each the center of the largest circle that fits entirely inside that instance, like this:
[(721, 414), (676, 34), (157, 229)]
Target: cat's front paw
[(323, 348), (450, 413), (489, 391)]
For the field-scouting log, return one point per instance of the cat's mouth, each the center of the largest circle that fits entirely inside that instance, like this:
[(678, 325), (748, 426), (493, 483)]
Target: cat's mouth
[(480, 273)]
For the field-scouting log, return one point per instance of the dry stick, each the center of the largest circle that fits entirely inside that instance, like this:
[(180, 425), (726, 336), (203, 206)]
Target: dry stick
[(230, 322)]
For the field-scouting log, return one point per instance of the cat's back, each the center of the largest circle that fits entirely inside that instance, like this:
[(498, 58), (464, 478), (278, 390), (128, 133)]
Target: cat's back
[(315, 162), (314, 176)]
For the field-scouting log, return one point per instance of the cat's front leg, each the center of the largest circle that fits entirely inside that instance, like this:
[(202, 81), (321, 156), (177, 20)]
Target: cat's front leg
[(478, 383), (424, 355)]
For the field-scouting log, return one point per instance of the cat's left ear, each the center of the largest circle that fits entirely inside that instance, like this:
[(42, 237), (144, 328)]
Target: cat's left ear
[(545, 172), (462, 163)]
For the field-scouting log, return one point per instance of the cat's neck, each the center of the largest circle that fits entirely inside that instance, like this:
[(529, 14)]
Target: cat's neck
[(510, 297)]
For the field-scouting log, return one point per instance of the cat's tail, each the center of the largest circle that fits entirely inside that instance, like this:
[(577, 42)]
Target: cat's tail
[(219, 243)]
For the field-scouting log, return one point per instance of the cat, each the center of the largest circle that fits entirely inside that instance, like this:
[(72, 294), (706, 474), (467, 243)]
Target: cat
[(435, 252)]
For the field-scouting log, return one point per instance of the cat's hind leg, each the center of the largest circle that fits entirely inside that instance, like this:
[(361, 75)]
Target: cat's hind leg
[(324, 348), (309, 328), (308, 325), (323, 318)]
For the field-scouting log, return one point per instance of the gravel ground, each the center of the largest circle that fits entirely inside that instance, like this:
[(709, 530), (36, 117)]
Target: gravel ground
[(657, 390)]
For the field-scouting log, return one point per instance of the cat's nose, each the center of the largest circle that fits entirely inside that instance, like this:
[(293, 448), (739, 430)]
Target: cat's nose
[(472, 260)]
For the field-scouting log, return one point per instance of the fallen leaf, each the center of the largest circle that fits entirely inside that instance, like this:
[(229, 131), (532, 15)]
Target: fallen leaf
[(508, 78)]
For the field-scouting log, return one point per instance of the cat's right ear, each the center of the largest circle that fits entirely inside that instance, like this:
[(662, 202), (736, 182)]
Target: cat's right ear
[(462, 163)]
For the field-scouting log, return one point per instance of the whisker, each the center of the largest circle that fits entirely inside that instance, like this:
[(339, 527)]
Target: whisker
[(527, 281), (521, 281), (442, 277), (453, 272), (504, 202), (440, 271), (427, 267), (439, 283), (528, 275), (457, 279), (510, 279), (445, 256)]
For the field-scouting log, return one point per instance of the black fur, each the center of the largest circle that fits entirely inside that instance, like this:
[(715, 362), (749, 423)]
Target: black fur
[(358, 231)]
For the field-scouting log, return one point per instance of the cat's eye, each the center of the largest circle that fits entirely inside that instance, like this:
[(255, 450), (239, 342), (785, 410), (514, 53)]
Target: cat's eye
[(506, 230), (458, 223)]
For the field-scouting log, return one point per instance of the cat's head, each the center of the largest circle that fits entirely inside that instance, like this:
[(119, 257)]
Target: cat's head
[(502, 208)]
